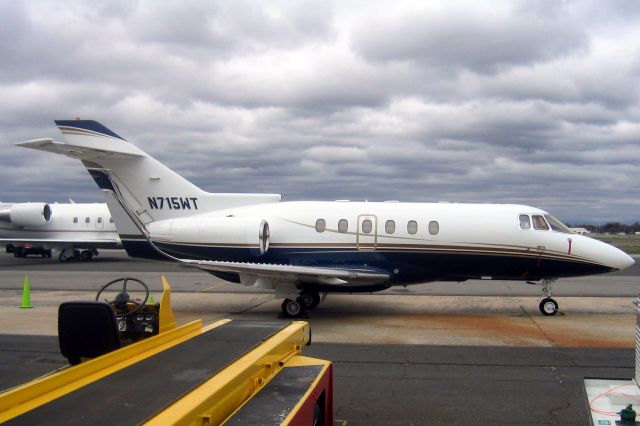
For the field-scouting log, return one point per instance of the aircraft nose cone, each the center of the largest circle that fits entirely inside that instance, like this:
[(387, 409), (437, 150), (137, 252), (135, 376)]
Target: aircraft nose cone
[(606, 254), (618, 259), (626, 261)]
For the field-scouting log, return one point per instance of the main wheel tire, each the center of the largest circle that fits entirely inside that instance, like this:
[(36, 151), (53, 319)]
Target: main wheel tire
[(86, 255), (309, 299), (292, 308), (548, 306)]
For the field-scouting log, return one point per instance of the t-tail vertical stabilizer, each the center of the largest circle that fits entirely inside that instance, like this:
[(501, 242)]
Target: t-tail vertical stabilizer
[(143, 185)]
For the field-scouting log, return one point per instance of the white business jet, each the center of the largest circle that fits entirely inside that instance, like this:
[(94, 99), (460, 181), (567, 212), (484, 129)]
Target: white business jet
[(308, 248), (76, 230)]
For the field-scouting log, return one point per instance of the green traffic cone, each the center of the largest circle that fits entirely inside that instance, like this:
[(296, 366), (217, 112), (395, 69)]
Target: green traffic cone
[(26, 294)]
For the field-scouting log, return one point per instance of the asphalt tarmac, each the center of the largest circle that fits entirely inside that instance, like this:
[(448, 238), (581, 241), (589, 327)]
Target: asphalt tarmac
[(473, 353)]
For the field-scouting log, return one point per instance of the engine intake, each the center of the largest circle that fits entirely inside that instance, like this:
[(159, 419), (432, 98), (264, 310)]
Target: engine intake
[(27, 214)]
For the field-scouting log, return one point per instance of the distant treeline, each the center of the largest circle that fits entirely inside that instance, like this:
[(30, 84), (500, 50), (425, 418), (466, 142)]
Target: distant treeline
[(611, 228)]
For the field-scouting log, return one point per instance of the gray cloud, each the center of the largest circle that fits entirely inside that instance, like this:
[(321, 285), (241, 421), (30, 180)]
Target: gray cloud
[(457, 38), (528, 102)]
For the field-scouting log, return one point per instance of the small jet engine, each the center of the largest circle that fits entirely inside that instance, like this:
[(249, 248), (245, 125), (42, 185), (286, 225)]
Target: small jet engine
[(231, 232), (26, 214)]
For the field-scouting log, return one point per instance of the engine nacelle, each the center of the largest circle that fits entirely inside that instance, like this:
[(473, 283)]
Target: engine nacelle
[(232, 232), (27, 214)]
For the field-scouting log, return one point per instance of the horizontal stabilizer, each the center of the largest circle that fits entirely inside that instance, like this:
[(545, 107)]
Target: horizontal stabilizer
[(80, 151)]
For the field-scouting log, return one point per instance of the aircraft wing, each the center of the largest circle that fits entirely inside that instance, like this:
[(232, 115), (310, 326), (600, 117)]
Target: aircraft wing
[(292, 273), (106, 243)]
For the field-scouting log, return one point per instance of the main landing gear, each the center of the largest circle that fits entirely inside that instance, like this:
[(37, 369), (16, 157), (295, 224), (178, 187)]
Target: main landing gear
[(75, 254), (295, 308), (548, 306)]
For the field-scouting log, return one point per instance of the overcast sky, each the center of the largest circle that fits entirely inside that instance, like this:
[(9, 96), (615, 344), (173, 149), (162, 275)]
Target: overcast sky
[(519, 102)]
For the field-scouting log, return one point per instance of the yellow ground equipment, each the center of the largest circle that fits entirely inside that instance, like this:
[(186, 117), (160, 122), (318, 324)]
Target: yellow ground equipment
[(228, 372)]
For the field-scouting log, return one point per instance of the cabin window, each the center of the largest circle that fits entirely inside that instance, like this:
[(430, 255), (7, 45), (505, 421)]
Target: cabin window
[(525, 222), (343, 225), (367, 226), (390, 227), (99, 220), (412, 227), (320, 225), (75, 219), (87, 220), (434, 227), (539, 223), (110, 220)]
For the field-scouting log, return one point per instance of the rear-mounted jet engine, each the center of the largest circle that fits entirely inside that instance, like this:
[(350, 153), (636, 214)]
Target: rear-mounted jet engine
[(228, 232)]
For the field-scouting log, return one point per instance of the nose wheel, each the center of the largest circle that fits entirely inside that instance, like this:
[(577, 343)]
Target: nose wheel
[(548, 306)]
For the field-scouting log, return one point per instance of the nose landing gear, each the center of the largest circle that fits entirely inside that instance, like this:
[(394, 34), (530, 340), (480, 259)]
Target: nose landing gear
[(548, 306)]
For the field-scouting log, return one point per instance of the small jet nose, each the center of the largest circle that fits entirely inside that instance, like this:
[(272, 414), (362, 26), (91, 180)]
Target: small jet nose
[(625, 260), (606, 254), (618, 259)]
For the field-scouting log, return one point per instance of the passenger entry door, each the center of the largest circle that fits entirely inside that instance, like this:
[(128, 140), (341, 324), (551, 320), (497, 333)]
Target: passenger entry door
[(367, 232)]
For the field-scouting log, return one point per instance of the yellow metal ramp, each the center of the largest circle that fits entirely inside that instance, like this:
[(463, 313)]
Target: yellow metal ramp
[(188, 375)]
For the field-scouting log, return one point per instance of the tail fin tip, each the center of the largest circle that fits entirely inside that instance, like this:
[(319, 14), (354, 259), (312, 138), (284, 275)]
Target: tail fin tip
[(88, 127)]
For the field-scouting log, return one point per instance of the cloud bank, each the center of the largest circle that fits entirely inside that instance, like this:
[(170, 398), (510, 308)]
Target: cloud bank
[(524, 102)]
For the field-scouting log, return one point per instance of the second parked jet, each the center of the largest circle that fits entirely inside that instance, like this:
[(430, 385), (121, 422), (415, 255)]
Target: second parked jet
[(76, 230)]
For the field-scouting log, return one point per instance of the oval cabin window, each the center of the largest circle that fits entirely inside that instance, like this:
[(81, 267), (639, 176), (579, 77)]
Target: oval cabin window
[(390, 227), (343, 225), (367, 226), (434, 227), (320, 225), (412, 227)]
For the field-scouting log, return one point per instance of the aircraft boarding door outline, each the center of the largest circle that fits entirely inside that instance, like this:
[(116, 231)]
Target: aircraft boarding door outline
[(367, 232)]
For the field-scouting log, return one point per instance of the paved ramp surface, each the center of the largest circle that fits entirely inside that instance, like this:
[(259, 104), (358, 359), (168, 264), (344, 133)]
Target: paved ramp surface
[(420, 384), (472, 353)]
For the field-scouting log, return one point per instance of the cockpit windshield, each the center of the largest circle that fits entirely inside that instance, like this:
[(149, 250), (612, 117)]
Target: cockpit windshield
[(556, 225)]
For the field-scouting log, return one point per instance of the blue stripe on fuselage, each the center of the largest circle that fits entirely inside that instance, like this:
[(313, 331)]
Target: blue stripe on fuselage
[(404, 267)]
